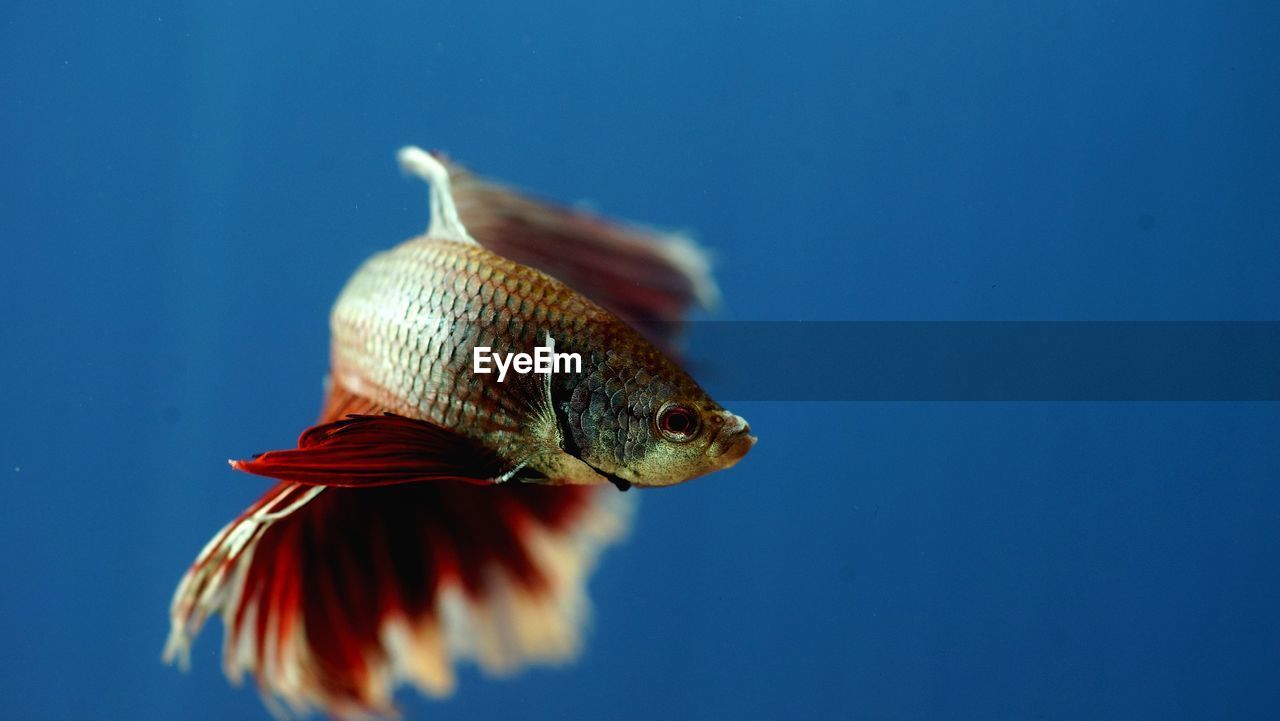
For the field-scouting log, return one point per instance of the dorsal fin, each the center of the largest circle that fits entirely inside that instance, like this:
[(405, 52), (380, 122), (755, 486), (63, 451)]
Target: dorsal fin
[(648, 278), (445, 222)]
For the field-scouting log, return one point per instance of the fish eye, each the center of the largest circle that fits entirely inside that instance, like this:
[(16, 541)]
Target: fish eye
[(678, 422)]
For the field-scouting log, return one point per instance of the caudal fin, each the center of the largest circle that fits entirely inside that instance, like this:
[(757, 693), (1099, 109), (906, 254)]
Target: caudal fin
[(330, 596), (339, 594)]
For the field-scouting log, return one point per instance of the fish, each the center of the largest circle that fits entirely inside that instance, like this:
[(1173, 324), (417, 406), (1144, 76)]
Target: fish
[(435, 514)]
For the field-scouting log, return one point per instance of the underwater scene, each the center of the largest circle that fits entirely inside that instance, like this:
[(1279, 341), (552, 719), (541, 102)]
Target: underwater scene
[(834, 360)]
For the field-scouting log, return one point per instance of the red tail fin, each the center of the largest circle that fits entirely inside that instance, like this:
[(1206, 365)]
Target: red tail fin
[(331, 595)]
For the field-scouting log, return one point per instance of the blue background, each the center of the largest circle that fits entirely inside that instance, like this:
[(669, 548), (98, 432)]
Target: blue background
[(184, 188)]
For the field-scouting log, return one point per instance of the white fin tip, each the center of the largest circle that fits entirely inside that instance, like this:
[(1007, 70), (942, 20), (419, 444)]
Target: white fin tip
[(445, 222)]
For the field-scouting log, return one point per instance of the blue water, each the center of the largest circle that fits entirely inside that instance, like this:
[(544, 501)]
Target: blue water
[(184, 187)]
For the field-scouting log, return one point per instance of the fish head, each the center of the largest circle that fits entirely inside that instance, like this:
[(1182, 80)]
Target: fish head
[(657, 433), (690, 439)]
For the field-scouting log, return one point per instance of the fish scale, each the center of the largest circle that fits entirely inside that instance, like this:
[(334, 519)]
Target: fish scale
[(406, 323)]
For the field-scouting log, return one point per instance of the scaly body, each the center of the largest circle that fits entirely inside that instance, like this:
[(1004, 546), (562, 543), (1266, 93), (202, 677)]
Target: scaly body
[(405, 327)]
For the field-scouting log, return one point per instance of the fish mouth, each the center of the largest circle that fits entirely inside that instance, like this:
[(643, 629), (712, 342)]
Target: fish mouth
[(731, 441), (736, 450)]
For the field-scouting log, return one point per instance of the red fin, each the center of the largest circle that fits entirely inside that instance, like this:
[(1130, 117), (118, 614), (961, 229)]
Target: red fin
[(364, 451), (330, 602), (647, 278), (329, 596)]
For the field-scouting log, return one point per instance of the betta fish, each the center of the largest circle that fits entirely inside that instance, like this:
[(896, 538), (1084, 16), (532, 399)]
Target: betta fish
[(436, 514)]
